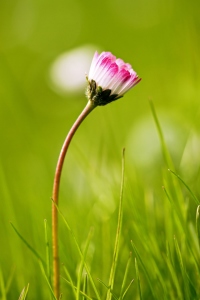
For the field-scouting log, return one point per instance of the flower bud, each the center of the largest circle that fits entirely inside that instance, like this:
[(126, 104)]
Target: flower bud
[(109, 78)]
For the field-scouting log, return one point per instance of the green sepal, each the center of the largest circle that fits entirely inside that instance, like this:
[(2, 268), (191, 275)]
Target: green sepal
[(99, 96)]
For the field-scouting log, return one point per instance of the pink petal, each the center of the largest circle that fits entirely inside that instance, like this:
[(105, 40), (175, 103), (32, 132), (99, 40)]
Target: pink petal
[(108, 75), (111, 73), (129, 84)]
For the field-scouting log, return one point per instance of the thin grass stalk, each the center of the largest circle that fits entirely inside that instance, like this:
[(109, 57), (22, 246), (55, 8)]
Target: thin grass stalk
[(108, 289), (24, 293), (70, 280), (174, 281), (126, 290), (198, 224), (80, 253), (85, 286), (138, 278), (47, 280), (125, 277), (166, 154), (175, 188), (55, 194), (47, 251), (2, 287), (10, 279), (40, 260), (80, 273), (187, 187), (176, 209), (81, 292), (28, 245), (143, 268), (118, 233), (183, 271)]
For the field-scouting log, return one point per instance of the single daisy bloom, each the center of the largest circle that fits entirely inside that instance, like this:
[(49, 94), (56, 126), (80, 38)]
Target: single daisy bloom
[(109, 78)]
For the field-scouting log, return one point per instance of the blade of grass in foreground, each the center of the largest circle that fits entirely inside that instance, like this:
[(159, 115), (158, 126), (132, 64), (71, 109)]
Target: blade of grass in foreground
[(70, 280), (47, 251), (138, 278), (183, 271), (85, 286), (79, 252), (174, 278), (172, 271), (125, 277), (187, 187), (82, 293), (24, 293), (10, 278), (80, 272), (174, 187), (40, 260), (198, 224), (144, 268), (165, 151), (176, 209), (27, 244), (47, 280), (118, 233), (126, 290), (108, 288), (2, 287)]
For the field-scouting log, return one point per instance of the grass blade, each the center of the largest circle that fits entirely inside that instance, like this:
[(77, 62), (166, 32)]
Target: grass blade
[(47, 251), (138, 278), (143, 268), (126, 290), (24, 293), (176, 208), (174, 188), (175, 281), (198, 224), (184, 275), (28, 245), (40, 260), (82, 293), (125, 277), (2, 287), (118, 233), (70, 280), (187, 187), (108, 288), (80, 273), (165, 151), (85, 286), (10, 278), (47, 280), (79, 252)]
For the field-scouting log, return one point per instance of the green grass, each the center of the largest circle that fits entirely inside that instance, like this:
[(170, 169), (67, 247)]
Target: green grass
[(156, 256), (159, 234)]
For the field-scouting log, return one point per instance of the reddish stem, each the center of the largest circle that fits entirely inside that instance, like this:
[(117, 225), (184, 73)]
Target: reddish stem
[(56, 280)]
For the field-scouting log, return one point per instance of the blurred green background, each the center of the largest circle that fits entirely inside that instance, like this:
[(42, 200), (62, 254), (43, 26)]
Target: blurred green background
[(160, 39)]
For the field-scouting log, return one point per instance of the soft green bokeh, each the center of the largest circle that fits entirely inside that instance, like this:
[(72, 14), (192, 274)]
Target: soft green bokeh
[(161, 41)]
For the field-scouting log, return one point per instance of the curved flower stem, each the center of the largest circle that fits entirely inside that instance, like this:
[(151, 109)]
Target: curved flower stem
[(89, 107)]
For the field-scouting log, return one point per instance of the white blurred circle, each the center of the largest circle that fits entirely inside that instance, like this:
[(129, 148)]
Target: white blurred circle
[(144, 142), (68, 71)]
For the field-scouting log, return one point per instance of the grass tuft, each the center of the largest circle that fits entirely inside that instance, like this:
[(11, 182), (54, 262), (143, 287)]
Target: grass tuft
[(80, 252), (165, 234), (118, 233)]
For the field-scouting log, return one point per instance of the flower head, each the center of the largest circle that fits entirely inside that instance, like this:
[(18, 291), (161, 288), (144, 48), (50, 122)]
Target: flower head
[(109, 78)]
